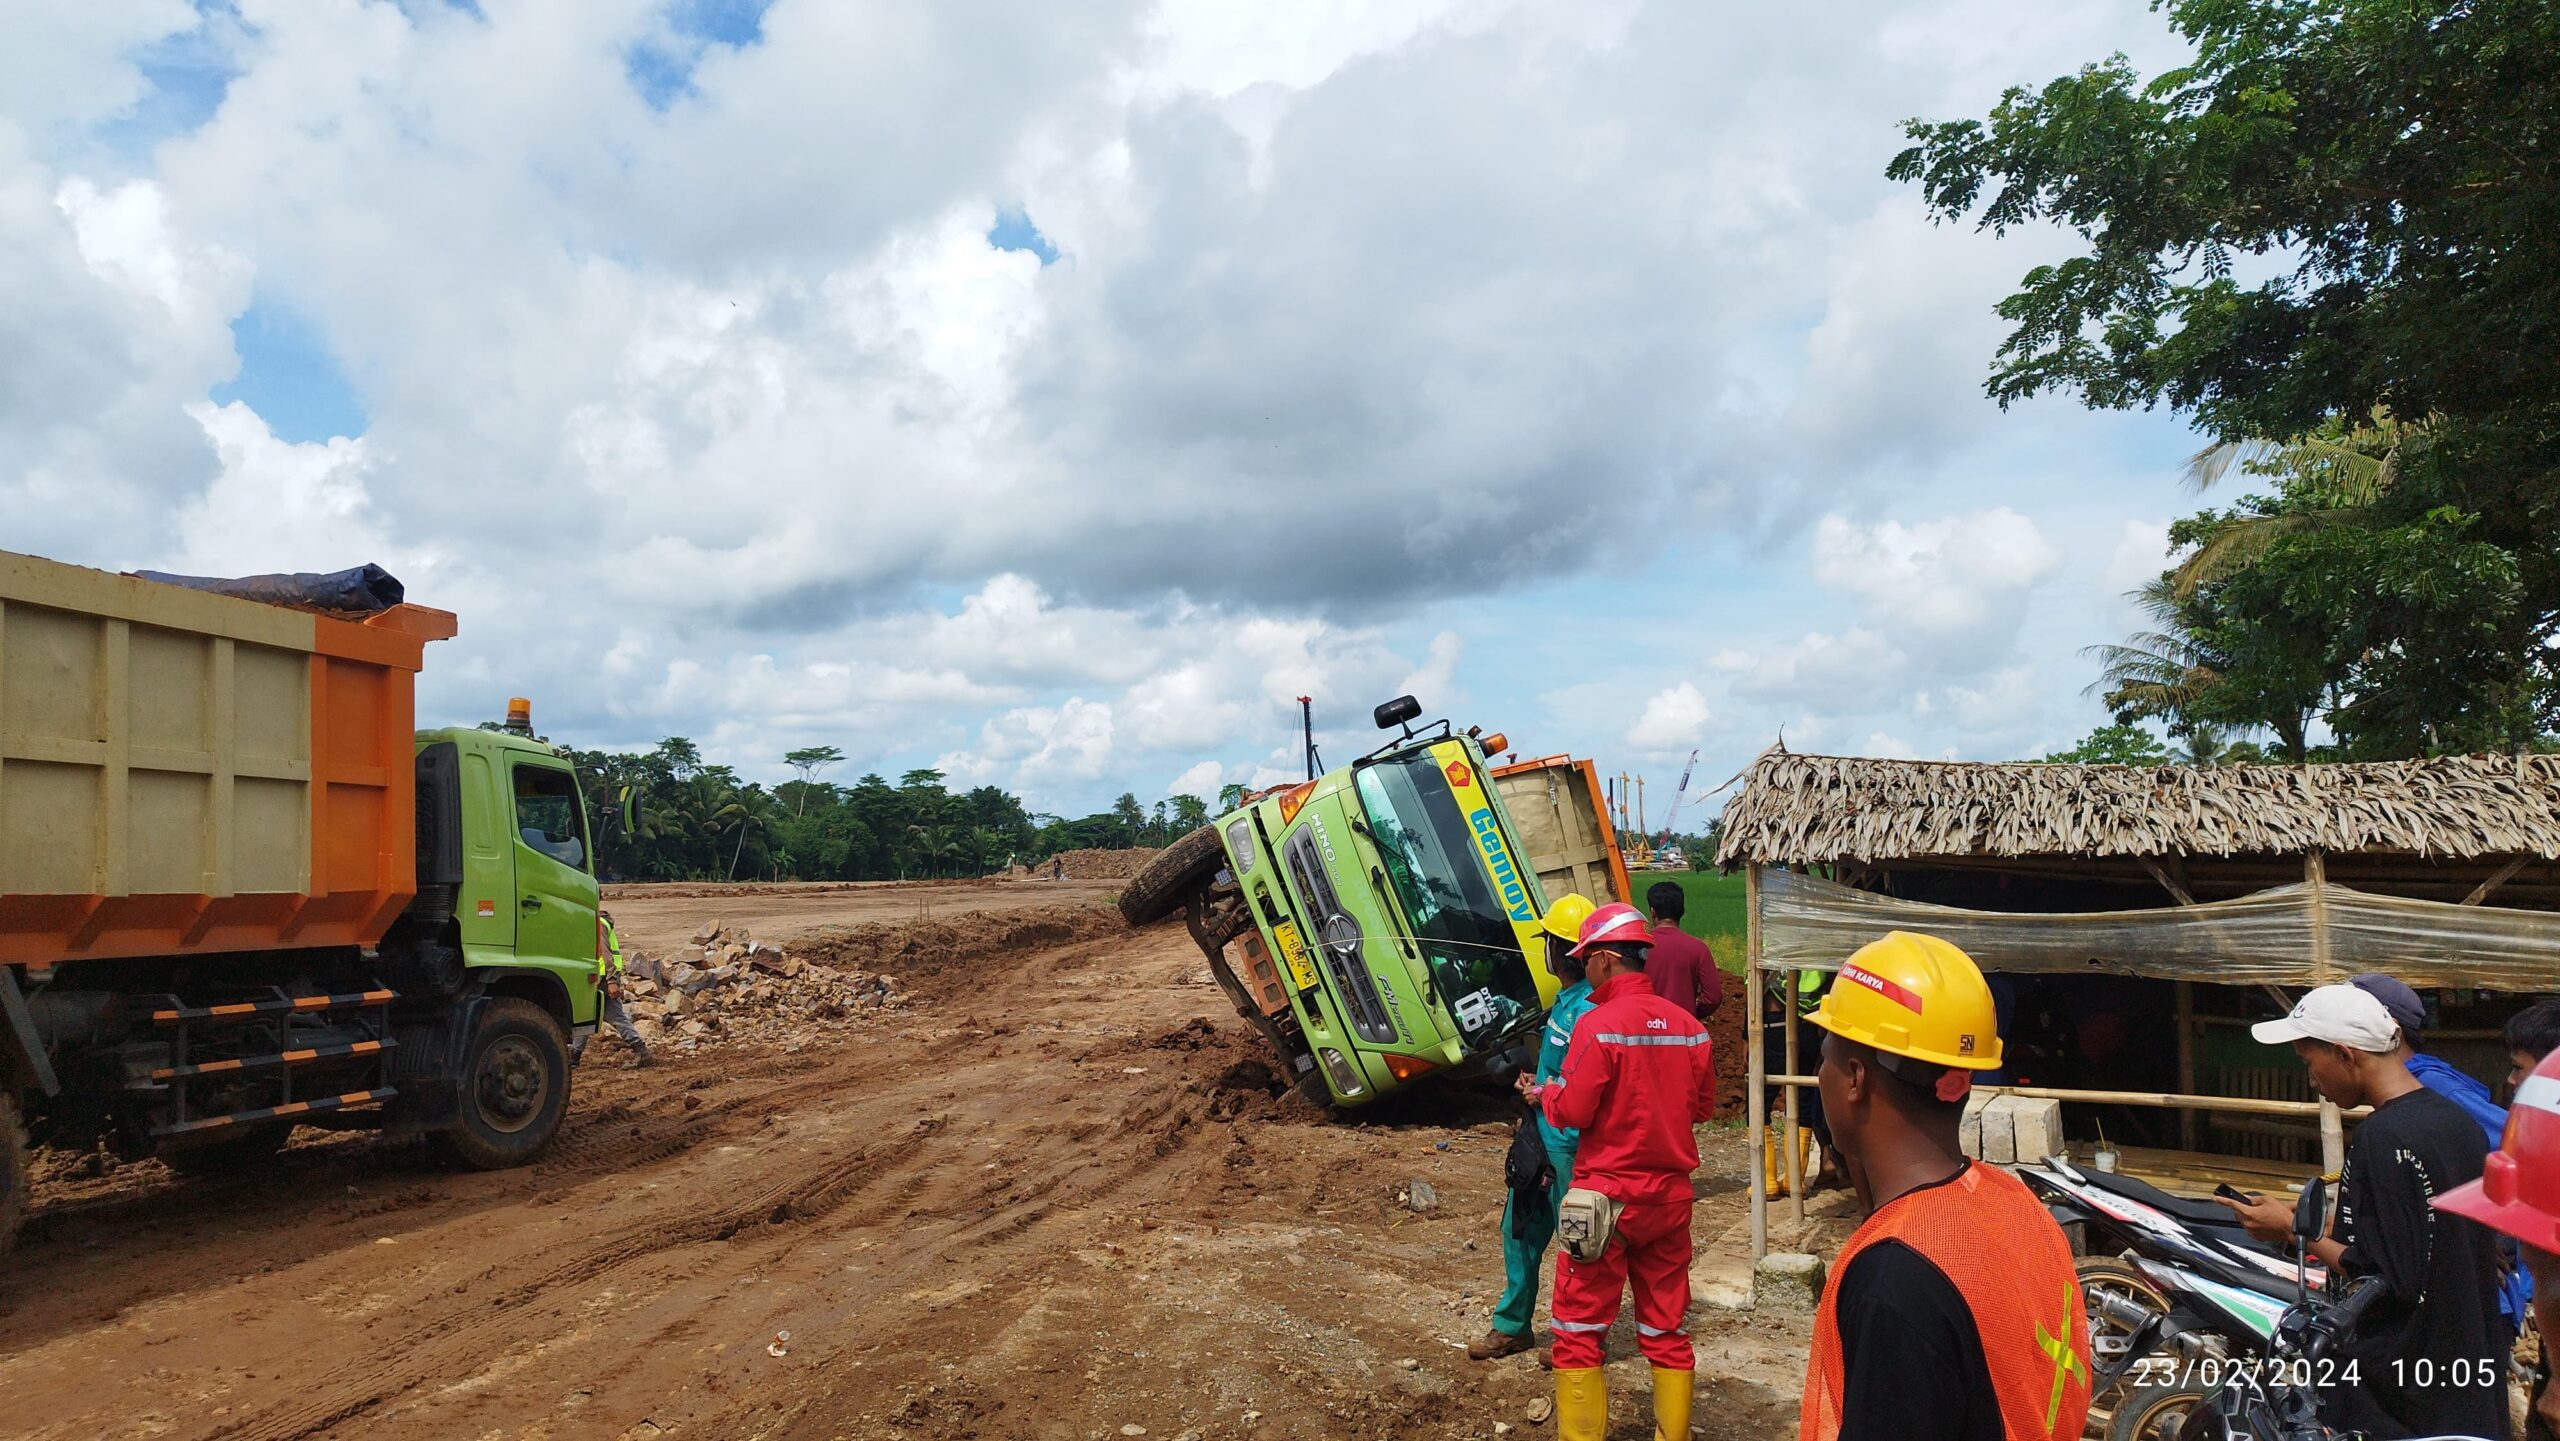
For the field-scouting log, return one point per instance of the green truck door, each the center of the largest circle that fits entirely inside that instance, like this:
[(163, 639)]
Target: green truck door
[(555, 894)]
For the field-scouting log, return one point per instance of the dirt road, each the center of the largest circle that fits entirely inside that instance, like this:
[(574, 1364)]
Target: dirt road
[(1058, 1197)]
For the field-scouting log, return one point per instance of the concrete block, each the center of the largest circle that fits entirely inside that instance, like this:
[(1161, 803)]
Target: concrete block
[(1999, 1140), (1787, 1282), (1969, 1130), (2035, 1128)]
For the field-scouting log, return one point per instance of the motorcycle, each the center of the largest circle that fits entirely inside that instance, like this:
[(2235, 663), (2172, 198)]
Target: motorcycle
[(2266, 1391), (2118, 1221)]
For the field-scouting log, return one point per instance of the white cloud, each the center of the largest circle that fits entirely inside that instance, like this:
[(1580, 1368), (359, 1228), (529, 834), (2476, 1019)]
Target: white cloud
[(274, 503), (1673, 720), (2004, 705), (1888, 747), (2141, 553), (1201, 780), (1854, 670), (727, 420), (1029, 745), (1956, 577)]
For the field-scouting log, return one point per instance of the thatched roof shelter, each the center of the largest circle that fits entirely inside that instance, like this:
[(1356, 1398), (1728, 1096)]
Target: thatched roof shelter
[(2434, 827), (2222, 881)]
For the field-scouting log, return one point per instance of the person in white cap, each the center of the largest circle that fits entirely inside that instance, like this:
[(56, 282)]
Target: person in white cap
[(2429, 1356)]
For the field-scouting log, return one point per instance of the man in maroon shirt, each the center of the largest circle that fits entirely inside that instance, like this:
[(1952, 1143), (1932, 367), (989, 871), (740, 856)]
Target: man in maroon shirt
[(1682, 969)]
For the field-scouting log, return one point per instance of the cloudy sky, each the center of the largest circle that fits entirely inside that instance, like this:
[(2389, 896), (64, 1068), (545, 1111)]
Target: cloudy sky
[(1052, 392)]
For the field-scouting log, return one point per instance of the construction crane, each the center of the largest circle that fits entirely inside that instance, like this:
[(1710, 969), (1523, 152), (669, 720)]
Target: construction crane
[(1674, 813)]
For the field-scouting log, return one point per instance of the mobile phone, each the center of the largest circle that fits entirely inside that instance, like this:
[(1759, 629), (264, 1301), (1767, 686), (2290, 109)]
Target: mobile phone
[(2225, 1191)]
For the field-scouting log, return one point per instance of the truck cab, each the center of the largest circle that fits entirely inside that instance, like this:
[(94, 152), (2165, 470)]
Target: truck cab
[(507, 853), (1380, 923)]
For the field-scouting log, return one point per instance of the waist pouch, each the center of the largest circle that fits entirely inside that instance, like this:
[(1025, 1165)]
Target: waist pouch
[(1526, 1167), (1585, 1222)]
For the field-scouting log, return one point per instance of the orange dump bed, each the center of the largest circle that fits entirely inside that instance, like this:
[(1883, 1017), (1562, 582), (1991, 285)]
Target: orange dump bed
[(1563, 818), (183, 772)]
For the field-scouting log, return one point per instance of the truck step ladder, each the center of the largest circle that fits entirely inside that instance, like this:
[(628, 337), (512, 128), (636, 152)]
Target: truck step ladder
[(257, 1036)]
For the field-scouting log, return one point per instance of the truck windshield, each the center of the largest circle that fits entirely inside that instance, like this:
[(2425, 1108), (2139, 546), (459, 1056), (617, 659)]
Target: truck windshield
[(1458, 921)]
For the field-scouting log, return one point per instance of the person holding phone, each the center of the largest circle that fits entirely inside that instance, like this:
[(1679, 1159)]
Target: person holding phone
[(2429, 1357)]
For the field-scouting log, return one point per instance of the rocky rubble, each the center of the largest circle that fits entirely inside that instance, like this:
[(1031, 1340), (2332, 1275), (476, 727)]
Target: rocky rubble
[(727, 985)]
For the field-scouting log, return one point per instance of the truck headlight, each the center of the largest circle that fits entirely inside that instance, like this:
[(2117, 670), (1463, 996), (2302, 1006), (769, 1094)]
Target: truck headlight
[(1344, 1075)]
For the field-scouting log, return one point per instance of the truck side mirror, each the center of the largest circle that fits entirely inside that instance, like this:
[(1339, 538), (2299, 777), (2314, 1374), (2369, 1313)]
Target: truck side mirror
[(1394, 713)]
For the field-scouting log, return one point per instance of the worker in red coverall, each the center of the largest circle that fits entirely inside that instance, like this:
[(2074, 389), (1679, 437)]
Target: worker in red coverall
[(1637, 1079)]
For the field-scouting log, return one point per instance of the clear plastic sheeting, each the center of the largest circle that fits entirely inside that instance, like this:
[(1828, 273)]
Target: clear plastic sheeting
[(2274, 936)]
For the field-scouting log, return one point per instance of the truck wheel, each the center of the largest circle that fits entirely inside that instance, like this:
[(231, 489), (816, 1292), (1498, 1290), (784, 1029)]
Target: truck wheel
[(16, 1171), (1168, 881), (229, 1156), (515, 1086)]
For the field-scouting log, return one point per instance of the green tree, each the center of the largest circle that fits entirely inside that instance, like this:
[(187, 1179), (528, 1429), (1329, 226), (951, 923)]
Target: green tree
[(2344, 211), (1231, 796), (808, 763), (1132, 819), (2116, 745)]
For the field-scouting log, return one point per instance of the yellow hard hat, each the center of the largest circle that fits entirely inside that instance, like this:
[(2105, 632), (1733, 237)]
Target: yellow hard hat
[(1564, 919), (1917, 996)]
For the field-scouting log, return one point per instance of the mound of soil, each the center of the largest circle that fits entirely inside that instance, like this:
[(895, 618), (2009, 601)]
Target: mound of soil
[(1095, 865), (922, 952)]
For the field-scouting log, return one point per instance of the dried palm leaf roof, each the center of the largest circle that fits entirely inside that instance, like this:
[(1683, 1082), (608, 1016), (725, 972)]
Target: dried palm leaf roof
[(1804, 809)]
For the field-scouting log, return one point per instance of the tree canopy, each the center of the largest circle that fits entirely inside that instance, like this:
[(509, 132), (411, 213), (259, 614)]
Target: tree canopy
[(2333, 241), (666, 814)]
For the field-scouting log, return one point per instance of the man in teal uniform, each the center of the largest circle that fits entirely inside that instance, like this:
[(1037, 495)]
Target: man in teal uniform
[(1529, 1218)]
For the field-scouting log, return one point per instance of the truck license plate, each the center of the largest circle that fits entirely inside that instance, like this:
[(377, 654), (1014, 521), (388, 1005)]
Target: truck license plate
[(1293, 951)]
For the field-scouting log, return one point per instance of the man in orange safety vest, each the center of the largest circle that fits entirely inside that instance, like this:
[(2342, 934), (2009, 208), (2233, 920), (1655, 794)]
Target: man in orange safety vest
[(1953, 1314)]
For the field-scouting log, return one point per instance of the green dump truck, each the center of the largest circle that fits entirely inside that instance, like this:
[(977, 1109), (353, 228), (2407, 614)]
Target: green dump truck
[(1379, 923), (239, 893)]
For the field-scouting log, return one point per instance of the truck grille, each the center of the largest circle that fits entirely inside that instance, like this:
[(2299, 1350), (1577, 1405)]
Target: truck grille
[(1338, 938)]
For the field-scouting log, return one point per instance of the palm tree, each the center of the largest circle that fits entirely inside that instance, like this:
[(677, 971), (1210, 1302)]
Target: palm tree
[(2161, 672), (749, 809), (2344, 474), (2171, 673)]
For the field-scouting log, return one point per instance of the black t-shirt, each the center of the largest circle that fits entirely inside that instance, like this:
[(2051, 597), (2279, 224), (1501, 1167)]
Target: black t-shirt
[(1910, 1354), (2432, 1353)]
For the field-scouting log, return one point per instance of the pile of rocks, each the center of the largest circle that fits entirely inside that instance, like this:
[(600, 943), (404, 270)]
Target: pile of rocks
[(727, 985)]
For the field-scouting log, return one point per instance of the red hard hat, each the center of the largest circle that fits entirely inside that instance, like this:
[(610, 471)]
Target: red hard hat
[(2519, 1192), (1615, 924)]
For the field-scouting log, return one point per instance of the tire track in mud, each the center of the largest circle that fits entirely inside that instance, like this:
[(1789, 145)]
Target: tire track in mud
[(453, 1344)]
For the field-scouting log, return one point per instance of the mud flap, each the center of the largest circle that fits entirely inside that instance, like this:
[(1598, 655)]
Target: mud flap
[(427, 1068)]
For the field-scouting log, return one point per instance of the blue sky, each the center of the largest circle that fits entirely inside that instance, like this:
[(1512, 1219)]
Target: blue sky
[(1053, 400)]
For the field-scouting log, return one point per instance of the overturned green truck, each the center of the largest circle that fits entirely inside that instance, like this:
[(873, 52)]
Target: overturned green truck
[(1379, 924)]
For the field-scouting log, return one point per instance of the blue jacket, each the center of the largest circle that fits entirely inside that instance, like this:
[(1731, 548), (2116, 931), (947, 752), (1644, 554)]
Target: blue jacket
[(1571, 1002), (2515, 1291)]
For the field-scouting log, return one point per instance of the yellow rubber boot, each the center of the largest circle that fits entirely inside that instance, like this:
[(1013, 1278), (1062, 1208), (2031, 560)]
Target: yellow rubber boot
[(1773, 1176), (1672, 1392), (1806, 1154), (1582, 1404)]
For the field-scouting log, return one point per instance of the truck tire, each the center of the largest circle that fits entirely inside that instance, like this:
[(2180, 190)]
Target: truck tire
[(1168, 881), (17, 1171), (231, 1155), (514, 1087)]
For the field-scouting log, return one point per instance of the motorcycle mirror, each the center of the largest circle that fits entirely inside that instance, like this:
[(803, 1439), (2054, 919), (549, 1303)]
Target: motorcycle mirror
[(2311, 1209)]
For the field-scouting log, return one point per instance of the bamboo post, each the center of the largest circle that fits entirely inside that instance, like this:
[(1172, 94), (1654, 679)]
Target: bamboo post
[(1787, 1141), (1754, 1102), (2324, 971), (2186, 1061)]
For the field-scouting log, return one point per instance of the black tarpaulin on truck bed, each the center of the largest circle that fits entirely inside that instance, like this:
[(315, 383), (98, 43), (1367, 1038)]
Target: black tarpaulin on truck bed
[(365, 589)]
